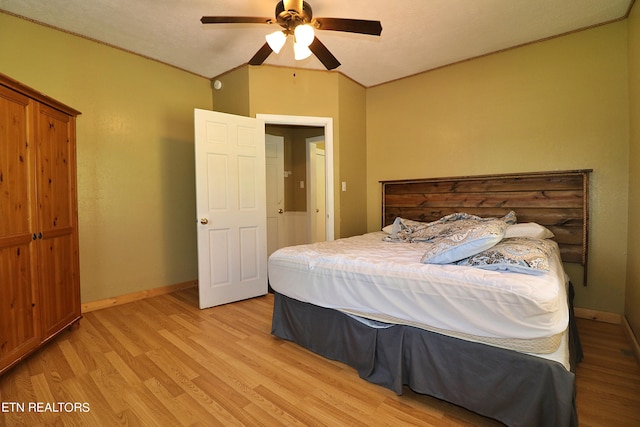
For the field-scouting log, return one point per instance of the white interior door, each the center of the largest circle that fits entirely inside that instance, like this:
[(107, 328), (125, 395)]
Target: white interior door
[(231, 207), (316, 191), (274, 153), (321, 211)]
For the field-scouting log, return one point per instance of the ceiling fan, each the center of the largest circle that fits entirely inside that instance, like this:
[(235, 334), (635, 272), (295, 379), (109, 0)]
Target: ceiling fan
[(296, 18)]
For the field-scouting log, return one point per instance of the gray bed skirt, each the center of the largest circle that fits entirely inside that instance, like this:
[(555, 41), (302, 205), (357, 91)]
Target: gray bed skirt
[(511, 387)]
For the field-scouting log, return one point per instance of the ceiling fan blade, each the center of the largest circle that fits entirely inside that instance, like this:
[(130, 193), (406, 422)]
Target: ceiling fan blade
[(235, 20), (360, 26), (261, 55), (322, 53)]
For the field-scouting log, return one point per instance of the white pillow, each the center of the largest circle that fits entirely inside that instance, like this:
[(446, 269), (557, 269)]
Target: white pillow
[(528, 229)]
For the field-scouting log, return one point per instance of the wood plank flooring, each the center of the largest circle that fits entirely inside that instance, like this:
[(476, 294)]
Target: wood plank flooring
[(164, 362)]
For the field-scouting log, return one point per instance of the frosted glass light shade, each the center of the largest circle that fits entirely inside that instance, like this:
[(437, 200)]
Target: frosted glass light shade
[(276, 40), (304, 34), (301, 52)]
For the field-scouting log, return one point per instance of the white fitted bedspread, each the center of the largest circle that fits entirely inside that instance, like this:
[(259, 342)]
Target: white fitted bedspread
[(381, 280)]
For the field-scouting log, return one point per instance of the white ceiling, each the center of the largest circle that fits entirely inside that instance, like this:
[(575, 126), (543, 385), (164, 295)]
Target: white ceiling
[(417, 35)]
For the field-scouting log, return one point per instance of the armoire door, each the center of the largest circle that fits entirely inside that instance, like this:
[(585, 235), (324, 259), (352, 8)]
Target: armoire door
[(57, 239), (18, 324)]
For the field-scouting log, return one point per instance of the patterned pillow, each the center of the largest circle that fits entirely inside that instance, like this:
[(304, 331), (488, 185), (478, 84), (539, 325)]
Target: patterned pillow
[(462, 238), (517, 254)]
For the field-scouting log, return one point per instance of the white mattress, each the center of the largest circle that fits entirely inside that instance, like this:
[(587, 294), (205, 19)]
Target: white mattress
[(385, 281)]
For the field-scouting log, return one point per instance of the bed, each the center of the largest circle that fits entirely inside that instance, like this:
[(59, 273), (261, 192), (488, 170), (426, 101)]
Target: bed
[(499, 343)]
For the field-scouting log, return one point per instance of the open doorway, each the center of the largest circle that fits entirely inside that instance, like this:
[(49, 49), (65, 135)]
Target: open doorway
[(300, 211)]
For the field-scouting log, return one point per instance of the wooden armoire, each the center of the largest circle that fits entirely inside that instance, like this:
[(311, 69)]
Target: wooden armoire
[(39, 260)]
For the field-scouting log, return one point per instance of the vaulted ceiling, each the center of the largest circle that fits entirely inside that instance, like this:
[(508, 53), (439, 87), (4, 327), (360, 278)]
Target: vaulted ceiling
[(417, 35)]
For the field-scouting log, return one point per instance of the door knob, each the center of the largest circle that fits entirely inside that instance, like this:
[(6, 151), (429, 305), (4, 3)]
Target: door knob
[(204, 221), (280, 211)]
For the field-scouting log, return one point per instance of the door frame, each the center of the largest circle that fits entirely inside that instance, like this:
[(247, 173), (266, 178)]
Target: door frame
[(327, 124)]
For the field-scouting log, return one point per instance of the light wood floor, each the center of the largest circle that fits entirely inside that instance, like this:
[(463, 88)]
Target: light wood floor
[(163, 362)]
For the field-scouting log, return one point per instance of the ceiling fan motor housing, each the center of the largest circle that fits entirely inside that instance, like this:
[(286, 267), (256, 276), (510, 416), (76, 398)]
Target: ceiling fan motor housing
[(291, 18)]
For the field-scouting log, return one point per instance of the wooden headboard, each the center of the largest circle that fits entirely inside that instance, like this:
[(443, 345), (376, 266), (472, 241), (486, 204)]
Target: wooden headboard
[(558, 200)]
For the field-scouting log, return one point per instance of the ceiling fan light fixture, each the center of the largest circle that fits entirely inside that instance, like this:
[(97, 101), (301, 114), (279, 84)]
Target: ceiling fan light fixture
[(304, 34), (300, 51), (276, 40)]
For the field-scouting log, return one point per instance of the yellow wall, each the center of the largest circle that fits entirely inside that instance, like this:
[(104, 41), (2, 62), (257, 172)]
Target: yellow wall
[(554, 105), (135, 154), (632, 299), (233, 96), (351, 125)]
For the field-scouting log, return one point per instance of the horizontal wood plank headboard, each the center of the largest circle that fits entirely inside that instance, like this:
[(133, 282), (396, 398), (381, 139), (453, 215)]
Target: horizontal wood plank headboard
[(559, 200)]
